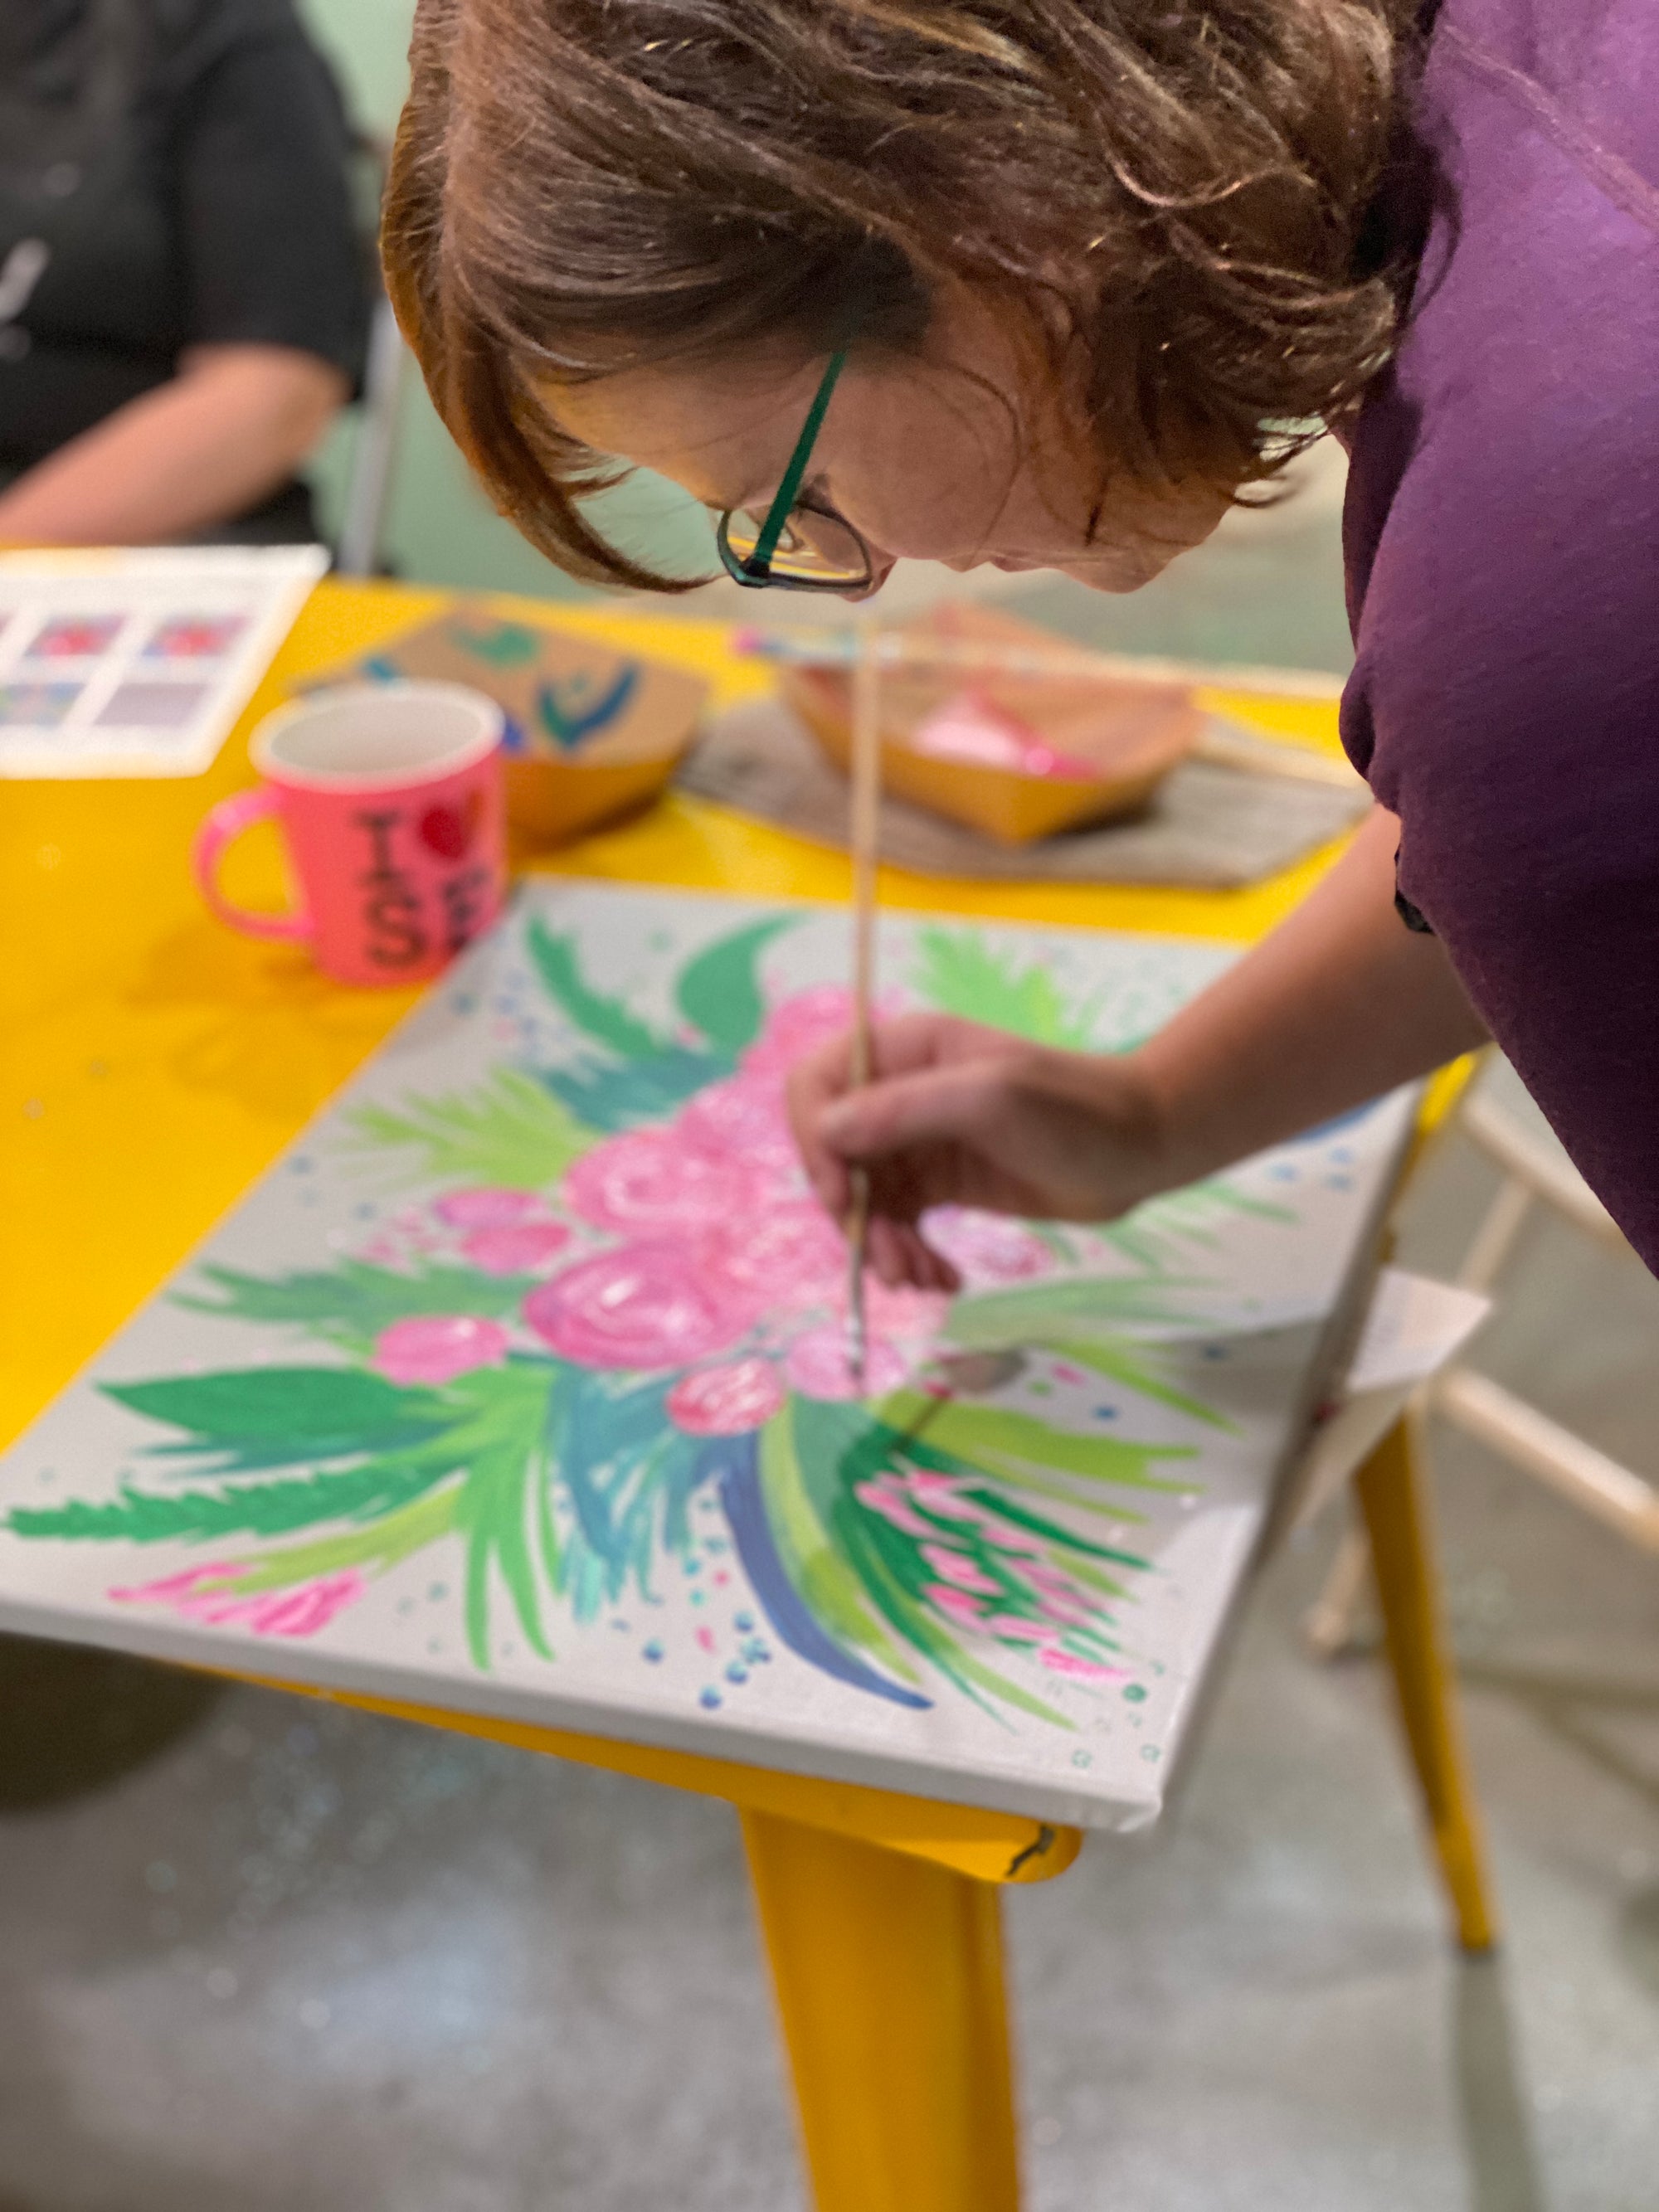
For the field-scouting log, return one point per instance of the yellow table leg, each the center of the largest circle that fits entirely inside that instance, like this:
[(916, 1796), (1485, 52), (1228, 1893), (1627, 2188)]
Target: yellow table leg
[(1395, 1501), (888, 1977)]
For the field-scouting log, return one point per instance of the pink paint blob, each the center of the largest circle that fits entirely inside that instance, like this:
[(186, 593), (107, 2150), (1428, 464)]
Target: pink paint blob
[(655, 1303), (882, 1497), (986, 1247), (817, 1365), (490, 1206), (1087, 1670), (519, 1249), (655, 1179), (208, 1594), (972, 728), (952, 1567), (706, 1639), (956, 1605), (437, 1348), (1013, 1628), (727, 1401)]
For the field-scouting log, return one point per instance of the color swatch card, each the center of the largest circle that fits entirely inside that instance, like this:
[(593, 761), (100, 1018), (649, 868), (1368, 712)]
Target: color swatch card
[(520, 1385), (116, 663)]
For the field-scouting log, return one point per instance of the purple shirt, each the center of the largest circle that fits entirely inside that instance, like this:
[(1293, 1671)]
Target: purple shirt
[(1502, 541)]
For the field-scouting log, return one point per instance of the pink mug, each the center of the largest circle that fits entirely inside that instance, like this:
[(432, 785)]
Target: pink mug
[(390, 799)]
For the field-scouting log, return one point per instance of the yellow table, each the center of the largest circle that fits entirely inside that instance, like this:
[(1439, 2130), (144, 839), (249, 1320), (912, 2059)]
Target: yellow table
[(155, 1065)]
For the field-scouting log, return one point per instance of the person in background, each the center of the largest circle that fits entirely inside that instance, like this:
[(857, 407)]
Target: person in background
[(184, 299)]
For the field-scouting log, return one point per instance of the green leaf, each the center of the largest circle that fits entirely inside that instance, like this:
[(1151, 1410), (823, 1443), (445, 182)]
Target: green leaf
[(261, 1509), (1075, 1307), (606, 1020), (626, 1094), (1116, 1360), (719, 992), (818, 1569), (270, 1416), (510, 1129), (381, 1545), (960, 973), (991, 1437), (354, 1301)]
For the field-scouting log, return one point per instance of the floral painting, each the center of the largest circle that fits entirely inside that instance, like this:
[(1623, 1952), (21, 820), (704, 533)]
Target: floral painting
[(543, 1317)]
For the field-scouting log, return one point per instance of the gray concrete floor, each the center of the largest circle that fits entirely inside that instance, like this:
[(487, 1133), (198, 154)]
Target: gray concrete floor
[(256, 1956)]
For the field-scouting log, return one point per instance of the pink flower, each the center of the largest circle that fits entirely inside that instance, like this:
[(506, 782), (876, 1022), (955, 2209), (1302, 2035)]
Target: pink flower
[(1088, 1670), (727, 1401), (953, 1567), (956, 1605), (818, 1366), (986, 1248), (208, 1594), (655, 1179), (489, 1207), (657, 1303), (437, 1348), (744, 1118), (518, 1249), (791, 1254), (797, 1025), (887, 1500)]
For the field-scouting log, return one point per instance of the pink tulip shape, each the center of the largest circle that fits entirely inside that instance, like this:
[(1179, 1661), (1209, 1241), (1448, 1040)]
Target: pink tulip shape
[(655, 1179), (489, 1207), (435, 1348), (727, 1401)]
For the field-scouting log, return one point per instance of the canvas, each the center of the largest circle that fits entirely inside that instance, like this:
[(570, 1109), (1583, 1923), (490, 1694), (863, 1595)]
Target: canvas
[(519, 1384)]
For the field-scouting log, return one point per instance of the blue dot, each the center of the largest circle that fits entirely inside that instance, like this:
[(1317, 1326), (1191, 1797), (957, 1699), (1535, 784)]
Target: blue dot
[(1215, 1352), (692, 1566), (1284, 1172), (736, 1674), (743, 1622), (653, 1651), (1106, 1413), (715, 1544), (708, 1699)]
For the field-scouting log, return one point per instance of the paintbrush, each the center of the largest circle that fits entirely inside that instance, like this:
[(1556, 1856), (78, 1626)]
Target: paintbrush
[(915, 651), (864, 829)]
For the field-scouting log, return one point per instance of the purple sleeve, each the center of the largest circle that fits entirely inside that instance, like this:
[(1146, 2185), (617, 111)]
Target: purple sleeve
[(1506, 698)]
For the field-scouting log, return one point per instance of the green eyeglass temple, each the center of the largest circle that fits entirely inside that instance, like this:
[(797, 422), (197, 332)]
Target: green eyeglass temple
[(755, 568)]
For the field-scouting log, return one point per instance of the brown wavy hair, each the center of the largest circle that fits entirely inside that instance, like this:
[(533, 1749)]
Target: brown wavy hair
[(1182, 186)]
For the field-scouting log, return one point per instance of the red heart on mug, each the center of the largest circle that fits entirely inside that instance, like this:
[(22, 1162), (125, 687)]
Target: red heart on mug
[(448, 831)]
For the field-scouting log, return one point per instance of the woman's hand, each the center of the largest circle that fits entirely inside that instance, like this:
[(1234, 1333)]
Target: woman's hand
[(958, 1114)]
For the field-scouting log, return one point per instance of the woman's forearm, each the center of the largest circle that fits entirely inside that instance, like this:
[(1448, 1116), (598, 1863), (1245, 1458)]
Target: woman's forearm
[(1340, 1003), (233, 425)]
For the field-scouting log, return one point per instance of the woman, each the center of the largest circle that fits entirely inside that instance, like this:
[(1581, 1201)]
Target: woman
[(1052, 282), (183, 298)]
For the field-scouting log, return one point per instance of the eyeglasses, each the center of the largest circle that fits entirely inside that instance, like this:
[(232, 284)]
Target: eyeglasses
[(796, 547)]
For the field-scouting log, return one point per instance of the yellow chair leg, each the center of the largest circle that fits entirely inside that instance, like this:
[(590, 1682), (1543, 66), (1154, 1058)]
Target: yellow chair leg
[(1395, 1501), (888, 1978)]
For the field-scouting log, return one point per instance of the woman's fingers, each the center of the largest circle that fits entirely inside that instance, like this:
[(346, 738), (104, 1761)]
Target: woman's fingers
[(940, 1106)]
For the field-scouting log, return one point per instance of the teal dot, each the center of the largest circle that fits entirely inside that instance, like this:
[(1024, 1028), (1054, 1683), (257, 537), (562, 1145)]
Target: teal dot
[(1135, 1693)]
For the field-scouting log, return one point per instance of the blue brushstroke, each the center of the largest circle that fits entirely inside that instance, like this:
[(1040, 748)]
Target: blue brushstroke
[(568, 724), (736, 1461)]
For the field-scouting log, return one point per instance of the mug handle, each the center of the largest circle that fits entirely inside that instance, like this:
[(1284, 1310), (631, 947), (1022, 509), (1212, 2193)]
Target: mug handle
[(226, 823)]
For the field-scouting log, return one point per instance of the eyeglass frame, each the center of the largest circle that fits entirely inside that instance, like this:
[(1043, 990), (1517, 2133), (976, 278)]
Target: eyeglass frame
[(754, 570)]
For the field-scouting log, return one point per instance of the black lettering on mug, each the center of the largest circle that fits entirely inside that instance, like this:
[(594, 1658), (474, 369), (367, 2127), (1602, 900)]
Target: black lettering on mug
[(392, 912), (464, 897)]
